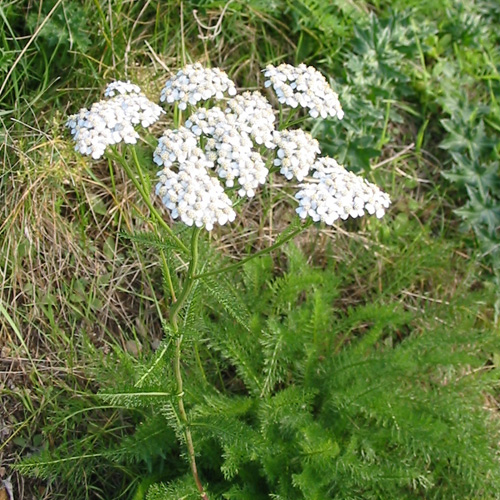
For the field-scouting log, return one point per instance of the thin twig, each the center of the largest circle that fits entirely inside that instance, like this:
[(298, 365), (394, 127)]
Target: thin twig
[(156, 57), (129, 41), (183, 42), (397, 155), (217, 29)]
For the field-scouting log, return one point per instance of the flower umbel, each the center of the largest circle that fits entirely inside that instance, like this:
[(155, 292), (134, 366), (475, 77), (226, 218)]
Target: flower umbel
[(121, 88), (337, 193), (190, 193), (296, 154), (195, 83), (230, 148), (231, 143), (177, 146), (112, 120), (303, 86), (255, 116)]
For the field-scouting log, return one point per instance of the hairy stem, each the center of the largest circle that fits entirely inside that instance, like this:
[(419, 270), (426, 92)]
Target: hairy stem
[(174, 320)]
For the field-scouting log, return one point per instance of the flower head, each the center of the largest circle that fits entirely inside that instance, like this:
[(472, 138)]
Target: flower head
[(111, 121), (296, 153), (194, 196), (177, 147), (185, 185), (303, 86), (337, 193), (255, 116), (195, 83), (230, 148), (121, 88)]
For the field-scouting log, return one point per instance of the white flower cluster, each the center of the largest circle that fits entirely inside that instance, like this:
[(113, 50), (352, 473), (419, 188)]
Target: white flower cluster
[(191, 194), (338, 193), (225, 144), (207, 121), (195, 83), (303, 86), (230, 148), (122, 88), (111, 121), (177, 146), (255, 117), (296, 153)]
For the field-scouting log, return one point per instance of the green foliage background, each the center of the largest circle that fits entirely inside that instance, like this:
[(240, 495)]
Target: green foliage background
[(355, 363)]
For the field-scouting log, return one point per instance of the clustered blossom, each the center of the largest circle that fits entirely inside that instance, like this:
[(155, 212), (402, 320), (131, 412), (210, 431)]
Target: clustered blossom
[(121, 88), (296, 153), (225, 143), (177, 146), (230, 148), (338, 193), (303, 86), (195, 197), (255, 116), (195, 83), (111, 121), (190, 193), (207, 121)]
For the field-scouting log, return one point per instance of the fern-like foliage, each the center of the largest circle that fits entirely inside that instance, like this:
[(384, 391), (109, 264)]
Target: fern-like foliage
[(348, 404), (291, 394)]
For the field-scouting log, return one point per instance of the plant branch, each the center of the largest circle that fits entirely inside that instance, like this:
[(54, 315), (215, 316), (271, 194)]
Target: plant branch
[(174, 315), (255, 255), (145, 195)]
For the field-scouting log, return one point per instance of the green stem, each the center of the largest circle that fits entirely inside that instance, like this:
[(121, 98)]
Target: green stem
[(188, 283), (174, 318), (168, 277), (140, 186), (145, 187), (183, 42), (288, 121), (184, 418), (255, 255)]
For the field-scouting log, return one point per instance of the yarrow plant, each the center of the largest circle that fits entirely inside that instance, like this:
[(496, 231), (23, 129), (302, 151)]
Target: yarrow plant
[(195, 83), (217, 156), (296, 154), (113, 120), (304, 86), (339, 194)]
